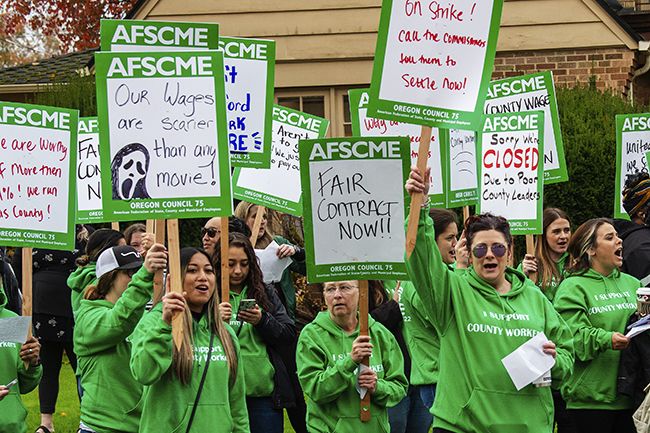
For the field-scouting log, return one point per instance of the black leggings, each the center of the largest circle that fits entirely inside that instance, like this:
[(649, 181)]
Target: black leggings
[(602, 421), (52, 358)]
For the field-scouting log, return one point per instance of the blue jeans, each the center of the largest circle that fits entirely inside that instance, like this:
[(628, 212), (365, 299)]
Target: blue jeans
[(427, 394), (262, 417), (410, 415)]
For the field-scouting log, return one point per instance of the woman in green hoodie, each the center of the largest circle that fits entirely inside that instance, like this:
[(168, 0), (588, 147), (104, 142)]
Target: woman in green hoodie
[(200, 387), (13, 357), (484, 315), (106, 318), (330, 351), (596, 300)]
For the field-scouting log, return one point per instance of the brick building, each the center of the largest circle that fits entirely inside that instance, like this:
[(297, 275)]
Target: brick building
[(325, 47)]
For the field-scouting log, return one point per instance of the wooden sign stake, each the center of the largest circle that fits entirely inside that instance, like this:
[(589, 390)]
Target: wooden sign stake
[(158, 229), (27, 289), (418, 199), (363, 330), (115, 225), (225, 269), (466, 214), (530, 249), (261, 210), (175, 276)]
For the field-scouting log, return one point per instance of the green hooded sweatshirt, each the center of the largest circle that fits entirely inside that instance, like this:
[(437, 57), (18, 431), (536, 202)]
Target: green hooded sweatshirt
[(111, 393), (81, 278), (595, 306), (328, 376), (551, 290), (478, 328), (12, 411), (167, 402), (258, 370)]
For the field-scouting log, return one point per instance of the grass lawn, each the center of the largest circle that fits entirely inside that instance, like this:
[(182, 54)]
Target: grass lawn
[(66, 418)]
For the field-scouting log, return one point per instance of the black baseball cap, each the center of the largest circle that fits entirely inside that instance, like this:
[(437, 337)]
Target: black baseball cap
[(122, 257)]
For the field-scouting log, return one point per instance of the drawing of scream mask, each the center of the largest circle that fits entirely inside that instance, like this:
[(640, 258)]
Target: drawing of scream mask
[(129, 172)]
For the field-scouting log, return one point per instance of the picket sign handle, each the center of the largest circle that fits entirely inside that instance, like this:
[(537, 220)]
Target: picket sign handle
[(225, 269), (158, 229), (27, 289), (256, 225), (466, 214), (530, 249), (115, 225), (174, 251), (418, 199), (363, 330)]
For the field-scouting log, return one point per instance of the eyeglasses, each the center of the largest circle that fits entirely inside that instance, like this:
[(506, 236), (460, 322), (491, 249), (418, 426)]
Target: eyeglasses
[(210, 231), (480, 250), (344, 289)]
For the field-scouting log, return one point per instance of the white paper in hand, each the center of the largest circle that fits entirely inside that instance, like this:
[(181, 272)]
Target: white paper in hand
[(528, 361), (637, 330), (360, 389), (272, 266), (14, 329)]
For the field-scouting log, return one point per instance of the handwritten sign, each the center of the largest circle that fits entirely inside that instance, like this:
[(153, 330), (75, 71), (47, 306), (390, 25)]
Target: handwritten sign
[(250, 69), (38, 147), (163, 135), (512, 173), (461, 162), (131, 35), (434, 61), (365, 126), (89, 185), (279, 186), (632, 143), (354, 207), (529, 93)]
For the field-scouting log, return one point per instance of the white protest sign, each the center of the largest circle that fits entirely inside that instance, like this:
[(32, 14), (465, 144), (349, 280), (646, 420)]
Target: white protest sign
[(632, 143), (89, 185), (279, 186), (462, 167)]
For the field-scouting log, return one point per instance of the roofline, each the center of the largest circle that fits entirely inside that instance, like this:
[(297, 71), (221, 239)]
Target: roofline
[(620, 21), (134, 10)]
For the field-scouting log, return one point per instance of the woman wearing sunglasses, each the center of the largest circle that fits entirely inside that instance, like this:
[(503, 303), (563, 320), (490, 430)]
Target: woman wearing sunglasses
[(596, 300), (211, 231), (106, 318), (483, 316)]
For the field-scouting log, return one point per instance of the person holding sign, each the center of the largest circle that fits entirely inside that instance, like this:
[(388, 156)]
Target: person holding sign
[(133, 235), (549, 267), (199, 388), (285, 288), (596, 300), (483, 317), (329, 356), (212, 229), (106, 318), (265, 331), (20, 372)]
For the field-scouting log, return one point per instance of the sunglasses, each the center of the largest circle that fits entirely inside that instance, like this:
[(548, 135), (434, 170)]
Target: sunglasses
[(210, 231), (480, 250)]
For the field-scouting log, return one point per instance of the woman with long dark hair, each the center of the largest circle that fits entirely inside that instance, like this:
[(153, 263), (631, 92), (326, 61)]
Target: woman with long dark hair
[(199, 387), (596, 300), (265, 330)]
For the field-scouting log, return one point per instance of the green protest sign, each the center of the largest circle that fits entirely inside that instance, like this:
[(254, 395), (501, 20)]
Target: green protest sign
[(38, 148), (354, 207), (279, 186), (433, 61), (131, 35), (511, 171), (365, 126), (250, 80), (529, 93), (163, 135), (89, 185), (461, 162), (632, 143)]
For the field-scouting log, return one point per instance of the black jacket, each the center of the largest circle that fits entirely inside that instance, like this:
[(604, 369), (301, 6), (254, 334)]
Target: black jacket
[(636, 248), (278, 332), (10, 284), (390, 315), (634, 366)]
